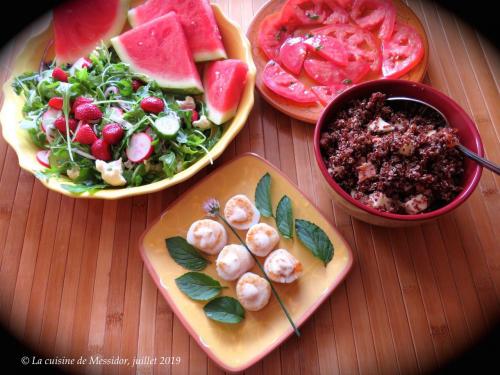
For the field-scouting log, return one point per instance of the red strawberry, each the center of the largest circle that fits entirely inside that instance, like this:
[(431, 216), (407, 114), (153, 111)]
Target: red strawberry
[(88, 112), (59, 74), (85, 135), (60, 124), (100, 149), (56, 102), (136, 84), (195, 116), (80, 100), (152, 104), (112, 133)]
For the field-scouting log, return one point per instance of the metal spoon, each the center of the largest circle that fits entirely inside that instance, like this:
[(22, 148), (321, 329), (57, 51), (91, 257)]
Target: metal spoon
[(470, 154)]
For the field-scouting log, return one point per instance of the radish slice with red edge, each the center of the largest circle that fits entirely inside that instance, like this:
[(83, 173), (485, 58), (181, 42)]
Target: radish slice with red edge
[(42, 157), (140, 147), (49, 117)]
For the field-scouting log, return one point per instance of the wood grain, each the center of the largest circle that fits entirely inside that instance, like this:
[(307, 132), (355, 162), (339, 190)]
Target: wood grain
[(72, 282)]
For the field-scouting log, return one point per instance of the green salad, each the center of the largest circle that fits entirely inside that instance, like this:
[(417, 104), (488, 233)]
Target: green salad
[(101, 126)]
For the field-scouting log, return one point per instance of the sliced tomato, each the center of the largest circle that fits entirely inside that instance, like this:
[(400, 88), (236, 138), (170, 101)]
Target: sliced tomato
[(307, 12), (402, 51), (292, 54), (328, 74), (387, 27), (338, 16), (273, 32), (326, 94), (362, 45), (346, 4), (368, 13), (329, 48), (284, 84)]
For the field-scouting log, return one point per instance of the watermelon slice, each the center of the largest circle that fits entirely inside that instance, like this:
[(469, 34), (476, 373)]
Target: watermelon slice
[(159, 50), (81, 25), (224, 82), (197, 19)]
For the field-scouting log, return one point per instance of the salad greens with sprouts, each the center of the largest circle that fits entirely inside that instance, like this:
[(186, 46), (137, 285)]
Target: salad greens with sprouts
[(179, 134)]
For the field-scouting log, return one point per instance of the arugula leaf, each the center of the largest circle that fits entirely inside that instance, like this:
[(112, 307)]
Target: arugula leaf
[(198, 286), (263, 196), (284, 217), (169, 163), (225, 310), (184, 254), (315, 239)]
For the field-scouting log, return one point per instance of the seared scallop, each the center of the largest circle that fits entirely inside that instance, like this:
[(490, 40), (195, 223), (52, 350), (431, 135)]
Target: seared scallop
[(253, 291), (207, 235), (241, 213), (233, 261), (261, 239), (282, 267)]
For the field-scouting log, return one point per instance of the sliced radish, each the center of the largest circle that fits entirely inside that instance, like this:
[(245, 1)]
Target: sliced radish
[(81, 63), (49, 117), (139, 148), (42, 157)]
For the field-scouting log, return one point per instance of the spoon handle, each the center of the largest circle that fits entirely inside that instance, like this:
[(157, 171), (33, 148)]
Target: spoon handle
[(485, 163)]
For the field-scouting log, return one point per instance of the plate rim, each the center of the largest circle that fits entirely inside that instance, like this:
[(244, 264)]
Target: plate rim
[(277, 106), (289, 331)]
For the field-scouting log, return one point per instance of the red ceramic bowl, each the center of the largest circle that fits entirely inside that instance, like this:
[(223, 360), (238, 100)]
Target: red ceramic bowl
[(457, 117)]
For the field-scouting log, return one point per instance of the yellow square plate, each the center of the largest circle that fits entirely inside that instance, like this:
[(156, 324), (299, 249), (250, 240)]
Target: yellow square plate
[(237, 347)]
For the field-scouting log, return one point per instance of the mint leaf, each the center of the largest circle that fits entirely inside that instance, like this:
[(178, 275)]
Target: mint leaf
[(198, 286), (315, 239), (225, 310), (184, 254), (284, 217), (263, 196)]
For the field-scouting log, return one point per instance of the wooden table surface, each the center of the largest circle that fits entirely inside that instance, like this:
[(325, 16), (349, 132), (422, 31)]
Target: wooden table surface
[(72, 282)]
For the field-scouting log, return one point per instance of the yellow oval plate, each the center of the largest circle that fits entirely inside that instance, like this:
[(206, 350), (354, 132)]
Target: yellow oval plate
[(237, 47), (237, 347)]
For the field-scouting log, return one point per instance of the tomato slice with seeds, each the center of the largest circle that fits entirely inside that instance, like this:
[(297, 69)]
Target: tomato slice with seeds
[(273, 32), (329, 48), (368, 13), (346, 4), (292, 54), (326, 94), (284, 84), (387, 27), (361, 44), (401, 52), (307, 12), (328, 74), (338, 16)]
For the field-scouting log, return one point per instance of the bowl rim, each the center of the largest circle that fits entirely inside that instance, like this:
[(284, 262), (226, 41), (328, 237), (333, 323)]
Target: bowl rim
[(378, 84), (40, 26)]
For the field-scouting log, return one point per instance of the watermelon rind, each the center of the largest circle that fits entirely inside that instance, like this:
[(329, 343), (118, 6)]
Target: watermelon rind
[(131, 17), (115, 29), (183, 86), (218, 117), (217, 54)]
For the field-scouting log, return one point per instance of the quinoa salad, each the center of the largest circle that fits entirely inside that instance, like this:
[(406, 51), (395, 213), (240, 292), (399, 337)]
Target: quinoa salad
[(394, 159)]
